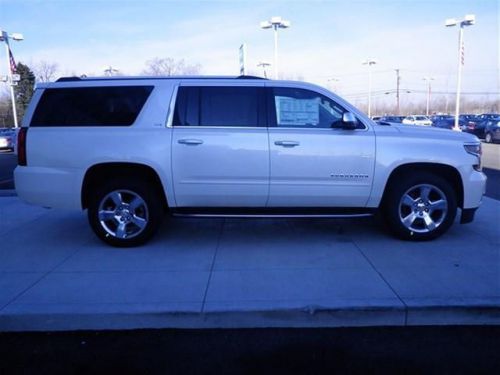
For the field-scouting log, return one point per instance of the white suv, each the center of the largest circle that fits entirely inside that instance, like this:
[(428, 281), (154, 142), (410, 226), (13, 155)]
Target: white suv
[(131, 149)]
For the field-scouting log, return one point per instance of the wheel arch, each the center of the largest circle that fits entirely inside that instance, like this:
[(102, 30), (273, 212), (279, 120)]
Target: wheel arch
[(445, 171), (108, 170)]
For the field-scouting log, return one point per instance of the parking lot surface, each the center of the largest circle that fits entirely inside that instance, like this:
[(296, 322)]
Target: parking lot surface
[(197, 273)]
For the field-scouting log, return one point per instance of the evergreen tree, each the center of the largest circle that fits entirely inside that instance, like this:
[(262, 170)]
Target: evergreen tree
[(24, 89)]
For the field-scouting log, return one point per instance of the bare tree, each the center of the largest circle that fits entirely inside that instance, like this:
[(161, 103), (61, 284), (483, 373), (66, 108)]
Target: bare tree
[(169, 67), (46, 71)]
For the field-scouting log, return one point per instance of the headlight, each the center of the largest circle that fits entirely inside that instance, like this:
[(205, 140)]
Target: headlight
[(473, 148), (476, 150)]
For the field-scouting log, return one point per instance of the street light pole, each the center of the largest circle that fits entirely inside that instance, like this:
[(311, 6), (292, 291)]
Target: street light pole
[(369, 62), (459, 79), (4, 37), (275, 23), (428, 79), (469, 20), (398, 80)]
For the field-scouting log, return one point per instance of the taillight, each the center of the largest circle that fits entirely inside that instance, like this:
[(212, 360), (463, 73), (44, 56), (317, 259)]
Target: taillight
[(21, 147)]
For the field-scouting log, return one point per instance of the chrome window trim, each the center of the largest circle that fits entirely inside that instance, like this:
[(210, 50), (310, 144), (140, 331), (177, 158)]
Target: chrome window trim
[(218, 127)]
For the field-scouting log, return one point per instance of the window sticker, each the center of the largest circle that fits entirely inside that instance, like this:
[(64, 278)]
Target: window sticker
[(297, 112)]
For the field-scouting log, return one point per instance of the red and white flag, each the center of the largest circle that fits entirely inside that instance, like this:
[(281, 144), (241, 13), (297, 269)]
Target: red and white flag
[(13, 66)]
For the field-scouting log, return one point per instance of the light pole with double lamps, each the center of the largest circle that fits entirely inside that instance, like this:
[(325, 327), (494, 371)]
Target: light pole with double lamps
[(468, 20), (275, 23)]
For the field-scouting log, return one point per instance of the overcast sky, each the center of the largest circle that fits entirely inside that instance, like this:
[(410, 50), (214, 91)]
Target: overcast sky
[(327, 38)]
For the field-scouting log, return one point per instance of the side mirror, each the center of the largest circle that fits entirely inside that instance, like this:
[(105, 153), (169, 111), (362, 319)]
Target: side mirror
[(349, 121)]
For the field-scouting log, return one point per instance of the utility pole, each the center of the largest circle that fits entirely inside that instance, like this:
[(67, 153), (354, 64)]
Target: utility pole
[(398, 79), (428, 79), (334, 80), (264, 65), (110, 71)]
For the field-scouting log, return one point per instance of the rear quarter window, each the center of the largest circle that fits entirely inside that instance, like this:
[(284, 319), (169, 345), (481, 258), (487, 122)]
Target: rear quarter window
[(90, 106)]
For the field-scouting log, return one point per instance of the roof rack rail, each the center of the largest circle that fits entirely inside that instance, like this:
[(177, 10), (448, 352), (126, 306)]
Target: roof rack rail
[(249, 77), (68, 79), (76, 79)]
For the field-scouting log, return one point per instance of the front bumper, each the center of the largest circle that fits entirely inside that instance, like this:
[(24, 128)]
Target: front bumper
[(467, 215)]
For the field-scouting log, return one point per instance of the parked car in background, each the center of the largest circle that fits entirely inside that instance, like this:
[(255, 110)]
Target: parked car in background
[(417, 120), (394, 119), (492, 130), (470, 121), (478, 129), (8, 138), (448, 122), (375, 118), (435, 118)]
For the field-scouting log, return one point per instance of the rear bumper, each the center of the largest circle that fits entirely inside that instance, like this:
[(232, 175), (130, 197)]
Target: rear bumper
[(49, 187)]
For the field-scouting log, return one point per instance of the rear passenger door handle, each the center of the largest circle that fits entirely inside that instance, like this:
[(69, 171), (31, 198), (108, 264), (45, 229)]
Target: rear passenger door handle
[(287, 143), (193, 142)]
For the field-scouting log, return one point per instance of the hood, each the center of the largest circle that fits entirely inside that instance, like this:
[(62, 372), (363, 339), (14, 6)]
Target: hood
[(433, 133)]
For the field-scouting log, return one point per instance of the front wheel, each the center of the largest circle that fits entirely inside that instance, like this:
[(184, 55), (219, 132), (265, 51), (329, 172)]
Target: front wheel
[(125, 213), (420, 207)]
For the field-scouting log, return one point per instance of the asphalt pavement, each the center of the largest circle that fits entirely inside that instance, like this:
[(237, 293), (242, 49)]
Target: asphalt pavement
[(384, 350)]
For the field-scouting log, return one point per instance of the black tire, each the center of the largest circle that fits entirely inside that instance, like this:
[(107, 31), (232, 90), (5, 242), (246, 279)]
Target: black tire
[(488, 138), (412, 217), (125, 225)]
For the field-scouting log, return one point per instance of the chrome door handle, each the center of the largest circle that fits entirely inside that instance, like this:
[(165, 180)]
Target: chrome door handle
[(193, 142), (287, 143)]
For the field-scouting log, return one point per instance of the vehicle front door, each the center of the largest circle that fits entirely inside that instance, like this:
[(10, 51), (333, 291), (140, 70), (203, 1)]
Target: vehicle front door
[(314, 161)]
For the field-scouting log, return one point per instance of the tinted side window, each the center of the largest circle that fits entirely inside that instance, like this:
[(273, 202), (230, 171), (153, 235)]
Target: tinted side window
[(90, 106), (219, 106), (301, 108)]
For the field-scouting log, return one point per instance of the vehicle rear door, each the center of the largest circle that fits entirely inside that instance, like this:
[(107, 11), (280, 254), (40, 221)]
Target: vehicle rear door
[(220, 149)]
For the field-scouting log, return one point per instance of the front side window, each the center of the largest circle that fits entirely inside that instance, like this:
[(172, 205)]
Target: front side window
[(301, 108), (219, 106), (90, 106)]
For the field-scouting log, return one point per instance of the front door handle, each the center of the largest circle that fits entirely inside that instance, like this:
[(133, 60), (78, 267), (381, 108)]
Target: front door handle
[(287, 143), (193, 142)]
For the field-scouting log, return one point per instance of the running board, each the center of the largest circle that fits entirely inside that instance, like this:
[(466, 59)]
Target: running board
[(272, 216), (275, 212)]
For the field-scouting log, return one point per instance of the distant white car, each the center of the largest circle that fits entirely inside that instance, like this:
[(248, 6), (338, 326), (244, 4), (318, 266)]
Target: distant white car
[(417, 120)]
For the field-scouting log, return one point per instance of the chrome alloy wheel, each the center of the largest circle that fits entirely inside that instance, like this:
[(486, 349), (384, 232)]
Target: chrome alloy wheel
[(423, 208), (123, 214)]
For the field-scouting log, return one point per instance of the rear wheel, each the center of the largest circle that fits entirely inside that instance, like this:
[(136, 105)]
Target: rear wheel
[(420, 207), (125, 213)]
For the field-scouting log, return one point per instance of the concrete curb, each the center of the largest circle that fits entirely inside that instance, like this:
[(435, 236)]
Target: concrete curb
[(8, 193), (430, 315)]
